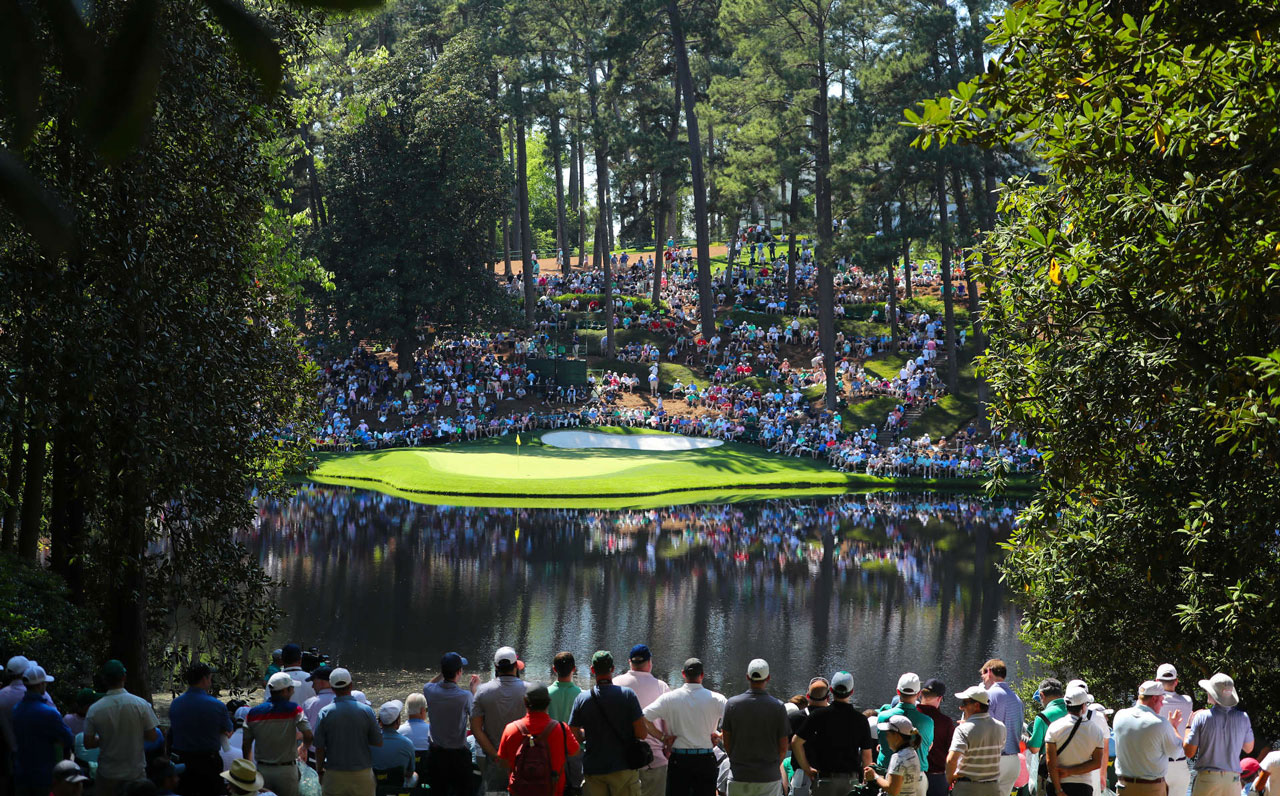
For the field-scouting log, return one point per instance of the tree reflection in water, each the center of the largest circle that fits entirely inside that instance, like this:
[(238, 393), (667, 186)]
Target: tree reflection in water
[(876, 583)]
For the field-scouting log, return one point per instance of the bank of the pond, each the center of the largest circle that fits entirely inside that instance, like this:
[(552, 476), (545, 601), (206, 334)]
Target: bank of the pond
[(497, 471)]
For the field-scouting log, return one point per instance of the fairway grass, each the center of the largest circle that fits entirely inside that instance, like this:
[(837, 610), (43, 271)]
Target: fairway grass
[(497, 472)]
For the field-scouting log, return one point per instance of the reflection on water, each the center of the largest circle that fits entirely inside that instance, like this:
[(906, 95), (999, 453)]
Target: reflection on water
[(878, 584)]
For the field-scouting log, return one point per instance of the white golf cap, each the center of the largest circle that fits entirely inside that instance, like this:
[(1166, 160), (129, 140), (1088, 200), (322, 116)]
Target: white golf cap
[(975, 692), (909, 683), (842, 684), (35, 675), (390, 711), (17, 665), (505, 655), (1167, 671), (1151, 688), (1076, 696), (340, 678), (1077, 683), (758, 670), (280, 681), (898, 723)]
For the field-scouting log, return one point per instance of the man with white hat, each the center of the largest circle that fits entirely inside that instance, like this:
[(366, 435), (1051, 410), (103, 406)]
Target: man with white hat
[(497, 703), (346, 731), (39, 730), (756, 735), (973, 761), (692, 715), (13, 693), (1217, 738), (1145, 742), (273, 728), (396, 751), (1074, 747), (1179, 775), (908, 694), (1095, 713)]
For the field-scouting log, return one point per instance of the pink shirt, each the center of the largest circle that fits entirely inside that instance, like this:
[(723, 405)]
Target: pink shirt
[(648, 688)]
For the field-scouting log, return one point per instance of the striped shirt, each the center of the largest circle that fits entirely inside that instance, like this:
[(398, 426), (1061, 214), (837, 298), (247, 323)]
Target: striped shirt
[(273, 728), (979, 741)]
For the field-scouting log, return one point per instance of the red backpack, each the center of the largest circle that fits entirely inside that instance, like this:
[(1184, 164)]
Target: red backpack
[(533, 773)]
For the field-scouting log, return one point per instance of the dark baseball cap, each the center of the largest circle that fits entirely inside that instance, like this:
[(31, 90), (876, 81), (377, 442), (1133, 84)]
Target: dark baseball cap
[(452, 662), (602, 661), (538, 696), (321, 674), (640, 653), (692, 667), (113, 669), (934, 686)]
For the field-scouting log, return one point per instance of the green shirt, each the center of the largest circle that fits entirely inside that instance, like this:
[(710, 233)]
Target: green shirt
[(562, 696), (1040, 724), (923, 725)]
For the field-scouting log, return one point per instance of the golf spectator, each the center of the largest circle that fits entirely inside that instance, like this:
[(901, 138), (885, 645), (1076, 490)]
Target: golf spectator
[(270, 736), (119, 725), (12, 694), (602, 718), (1005, 708), (343, 736), (932, 692), (756, 735), (75, 719), (396, 751), (291, 658), (1074, 748), (977, 745), (1179, 775), (165, 774), (834, 744), (415, 726), (1268, 769), (1095, 714), (68, 779), (43, 739), (322, 693), (1216, 739), (449, 705), (1051, 693), (243, 778), (563, 693), (902, 776), (198, 723), (692, 716), (1145, 743), (640, 679), (498, 703), (908, 694), (537, 728)]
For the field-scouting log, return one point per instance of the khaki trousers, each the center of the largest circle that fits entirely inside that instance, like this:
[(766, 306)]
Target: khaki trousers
[(348, 783), (1215, 783), (653, 781), (615, 783), (280, 780)]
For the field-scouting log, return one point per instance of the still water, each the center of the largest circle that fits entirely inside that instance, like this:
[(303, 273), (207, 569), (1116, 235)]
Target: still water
[(877, 584)]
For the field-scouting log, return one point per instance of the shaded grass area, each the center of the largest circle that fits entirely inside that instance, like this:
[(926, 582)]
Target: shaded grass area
[(951, 412)]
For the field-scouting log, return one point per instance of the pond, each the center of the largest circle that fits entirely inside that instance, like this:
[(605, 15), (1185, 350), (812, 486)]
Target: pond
[(875, 583)]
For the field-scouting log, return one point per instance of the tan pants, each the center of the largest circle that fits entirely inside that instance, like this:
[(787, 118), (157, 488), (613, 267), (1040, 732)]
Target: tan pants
[(1143, 788), (280, 780), (653, 781), (616, 783), (349, 783), (1215, 783)]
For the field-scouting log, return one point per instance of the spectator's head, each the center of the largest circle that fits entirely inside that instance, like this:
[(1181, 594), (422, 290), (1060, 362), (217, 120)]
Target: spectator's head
[(281, 685), (932, 692), (758, 674), (242, 778), (1050, 689), (389, 714), (340, 680), (291, 655), (909, 687), (973, 700), (113, 673), (164, 773), (451, 665), (1076, 698), (842, 686), (641, 658), (537, 697), (319, 679), (415, 706), (1249, 768), (84, 699), (692, 670), (68, 779), (506, 662), (1151, 693), (36, 679), (993, 671), (602, 665), (200, 675), (277, 656), (819, 693), (1221, 690), (242, 716), (1168, 676), (15, 668), (564, 666)]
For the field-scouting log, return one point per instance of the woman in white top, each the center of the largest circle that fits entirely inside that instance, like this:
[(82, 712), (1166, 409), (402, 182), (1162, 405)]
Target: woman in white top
[(902, 777)]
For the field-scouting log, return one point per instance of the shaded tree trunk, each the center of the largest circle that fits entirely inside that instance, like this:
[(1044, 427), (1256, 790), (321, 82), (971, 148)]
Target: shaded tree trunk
[(706, 307), (33, 493), (966, 231), (793, 216), (906, 267), (522, 194), (892, 309), (553, 125), (573, 197), (405, 360), (13, 476), (582, 196), (948, 294), (506, 243), (62, 486), (822, 197), (602, 199), (514, 203), (659, 258)]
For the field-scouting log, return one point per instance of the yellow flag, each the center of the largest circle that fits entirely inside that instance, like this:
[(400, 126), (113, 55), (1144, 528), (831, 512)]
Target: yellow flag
[(517, 440)]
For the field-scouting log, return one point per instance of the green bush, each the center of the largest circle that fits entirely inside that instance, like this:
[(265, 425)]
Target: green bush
[(38, 620)]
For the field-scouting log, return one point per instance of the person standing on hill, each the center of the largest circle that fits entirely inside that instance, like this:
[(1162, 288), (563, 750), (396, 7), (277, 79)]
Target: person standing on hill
[(522, 736), (563, 693), (1145, 743), (346, 731), (1074, 748), (974, 755), (833, 746), (908, 694), (640, 679), (1179, 775), (270, 736), (449, 708)]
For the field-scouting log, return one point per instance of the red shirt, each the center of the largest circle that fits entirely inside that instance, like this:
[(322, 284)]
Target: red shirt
[(557, 741)]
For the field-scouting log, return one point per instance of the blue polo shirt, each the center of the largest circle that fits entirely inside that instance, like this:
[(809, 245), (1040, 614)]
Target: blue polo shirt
[(345, 730), (396, 752), (1219, 735), (43, 740), (607, 714), (198, 722), (1006, 708)]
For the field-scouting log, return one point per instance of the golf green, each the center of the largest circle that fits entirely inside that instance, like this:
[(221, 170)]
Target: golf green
[(497, 471)]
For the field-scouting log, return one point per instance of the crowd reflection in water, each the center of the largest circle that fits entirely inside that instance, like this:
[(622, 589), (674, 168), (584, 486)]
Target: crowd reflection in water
[(383, 577)]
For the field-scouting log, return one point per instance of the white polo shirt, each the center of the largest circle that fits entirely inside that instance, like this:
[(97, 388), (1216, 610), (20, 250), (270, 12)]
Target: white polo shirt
[(1175, 701), (692, 714)]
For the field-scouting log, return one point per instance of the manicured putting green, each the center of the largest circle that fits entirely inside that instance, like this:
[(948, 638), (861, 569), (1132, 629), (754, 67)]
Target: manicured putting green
[(499, 472)]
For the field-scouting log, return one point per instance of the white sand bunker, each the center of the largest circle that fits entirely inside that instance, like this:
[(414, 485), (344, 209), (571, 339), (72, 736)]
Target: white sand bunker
[(635, 442)]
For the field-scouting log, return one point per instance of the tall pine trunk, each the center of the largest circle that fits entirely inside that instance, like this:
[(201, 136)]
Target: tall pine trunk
[(553, 124), (13, 476), (602, 201), (33, 493), (793, 218), (822, 198), (966, 232), (948, 294), (513, 204), (522, 196), (706, 307), (659, 258)]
